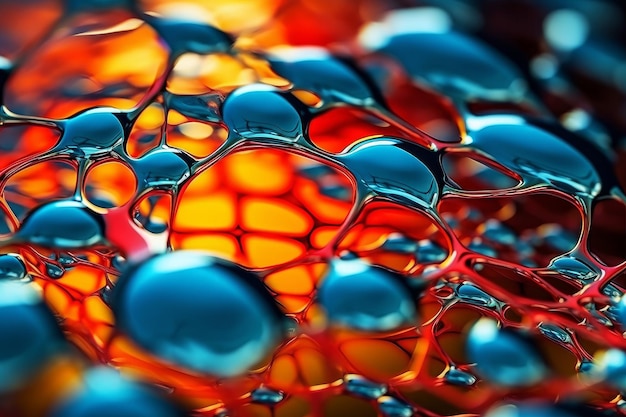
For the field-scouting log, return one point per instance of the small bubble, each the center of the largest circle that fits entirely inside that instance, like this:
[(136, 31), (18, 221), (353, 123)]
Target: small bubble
[(358, 385), (456, 376), (162, 168), (396, 170), (495, 231), (393, 407), (555, 333), (12, 267), (479, 246), (381, 301), (573, 268), (428, 252), (54, 271), (503, 356), (268, 396), (474, 295), (93, 132)]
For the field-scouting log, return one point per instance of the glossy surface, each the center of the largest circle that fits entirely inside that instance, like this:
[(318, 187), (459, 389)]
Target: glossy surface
[(312, 209)]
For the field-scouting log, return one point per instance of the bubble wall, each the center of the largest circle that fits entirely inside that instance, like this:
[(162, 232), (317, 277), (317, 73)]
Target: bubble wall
[(299, 208)]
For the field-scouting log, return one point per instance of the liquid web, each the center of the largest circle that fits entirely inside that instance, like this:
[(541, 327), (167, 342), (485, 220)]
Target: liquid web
[(290, 208)]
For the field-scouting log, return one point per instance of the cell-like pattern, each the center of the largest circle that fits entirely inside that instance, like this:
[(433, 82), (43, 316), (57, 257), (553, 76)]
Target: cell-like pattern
[(289, 208)]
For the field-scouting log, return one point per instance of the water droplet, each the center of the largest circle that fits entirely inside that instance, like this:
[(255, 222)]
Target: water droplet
[(430, 252), (456, 65), (54, 271), (331, 78), (479, 246), (197, 311), (119, 263), (92, 132), (105, 392), (190, 37), (573, 268), (12, 267), (263, 112), (393, 407), (503, 356), (63, 224), (539, 156), (29, 334), (555, 333), (474, 295), (495, 231), (456, 376), (358, 385), (162, 168), (365, 297), (268, 396), (399, 243), (397, 170)]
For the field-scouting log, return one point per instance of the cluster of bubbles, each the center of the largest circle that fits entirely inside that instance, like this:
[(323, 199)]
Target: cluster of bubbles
[(405, 219)]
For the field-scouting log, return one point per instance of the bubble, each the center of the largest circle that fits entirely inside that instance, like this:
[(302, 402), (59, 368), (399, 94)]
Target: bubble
[(105, 392), (456, 376), (92, 132), (396, 170), (12, 267), (54, 271), (611, 367), (198, 312), (262, 112), (474, 295), (573, 268), (357, 385), (555, 333), (393, 407), (456, 64), (539, 157), (502, 356), (428, 251), (406, 271), (497, 232), (329, 77), (162, 168), (65, 224), (264, 395), (29, 334), (381, 301), (400, 243)]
